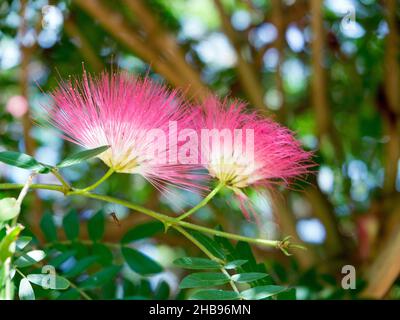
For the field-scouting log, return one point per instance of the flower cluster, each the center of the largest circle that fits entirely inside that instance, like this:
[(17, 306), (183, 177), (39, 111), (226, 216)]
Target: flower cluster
[(153, 132)]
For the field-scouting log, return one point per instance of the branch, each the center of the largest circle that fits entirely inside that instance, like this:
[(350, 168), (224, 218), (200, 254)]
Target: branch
[(114, 23), (385, 268), (83, 44), (320, 103), (392, 85), (277, 13), (30, 143), (248, 78), (166, 220), (166, 44)]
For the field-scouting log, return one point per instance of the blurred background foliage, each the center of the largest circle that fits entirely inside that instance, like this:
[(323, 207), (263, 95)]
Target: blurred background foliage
[(329, 70)]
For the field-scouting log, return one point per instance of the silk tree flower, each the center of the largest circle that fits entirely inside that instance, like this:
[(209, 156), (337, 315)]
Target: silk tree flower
[(247, 150), (132, 116), (17, 106)]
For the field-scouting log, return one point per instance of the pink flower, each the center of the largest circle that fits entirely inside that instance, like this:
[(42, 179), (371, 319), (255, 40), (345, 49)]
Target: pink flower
[(130, 115), (17, 106), (261, 154)]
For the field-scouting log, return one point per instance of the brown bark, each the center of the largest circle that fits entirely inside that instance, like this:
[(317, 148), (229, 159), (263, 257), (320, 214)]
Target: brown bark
[(318, 79), (386, 267), (392, 85), (30, 143), (166, 44), (278, 18), (249, 80), (114, 23)]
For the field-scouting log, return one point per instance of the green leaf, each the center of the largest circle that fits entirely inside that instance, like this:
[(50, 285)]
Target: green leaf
[(103, 253), (22, 242), (48, 227), (139, 262), (101, 278), (30, 258), (49, 281), (145, 230), (287, 294), (248, 277), (234, 264), (96, 226), (20, 160), (214, 294), (162, 291), (8, 209), (61, 258), (203, 279), (262, 292), (81, 156), (6, 245), (80, 266), (70, 294), (244, 250), (196, 263), (209, 243), (25, 291), (71, 225), (46, 168)]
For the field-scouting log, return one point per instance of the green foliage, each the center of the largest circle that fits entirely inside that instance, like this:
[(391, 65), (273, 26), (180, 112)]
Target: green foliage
[(209, 243), (234, 264), (248, 277), (145, 230), (241, 268), (48, 227), (82, 156), (71, 225), (6, 245), (204, 279), (8, 209), (196, 263), (262, 292), (30, 258), (25, 291), (96, 226), (44, 280), (20, 160), (139, 262), (213, 294), (101, 277), (162, 291), (80, 266)]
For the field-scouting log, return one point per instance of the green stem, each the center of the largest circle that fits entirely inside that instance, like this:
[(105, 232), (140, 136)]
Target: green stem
[(20, 273), (96, 184), (198, 244), (8, 284), (173, 222), (81, 292), (161, 217), (8, 262), (88, 243), (203, 202), (65, 184)]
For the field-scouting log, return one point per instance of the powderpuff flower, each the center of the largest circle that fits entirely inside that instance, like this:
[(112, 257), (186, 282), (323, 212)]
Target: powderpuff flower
[(246, 150), (130, 115), (17, 106)]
